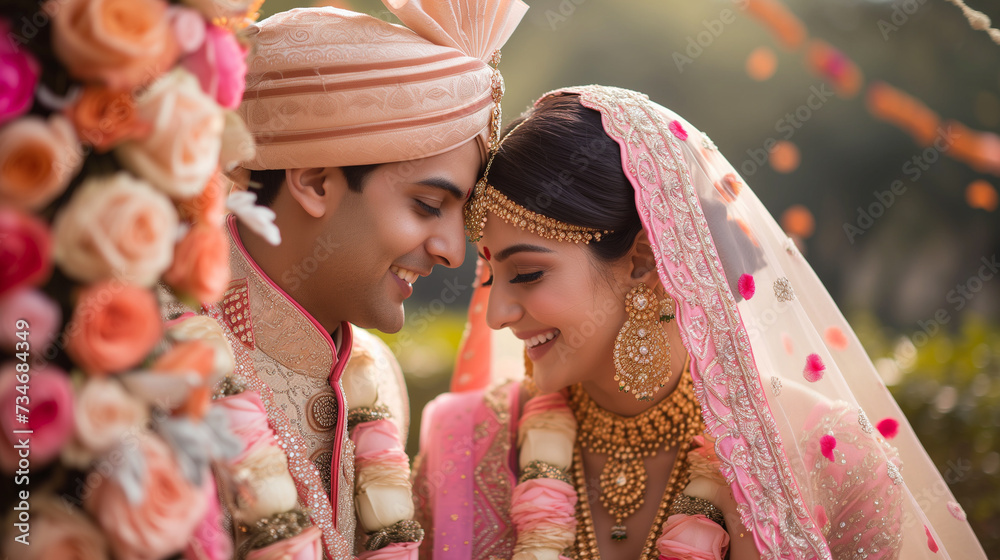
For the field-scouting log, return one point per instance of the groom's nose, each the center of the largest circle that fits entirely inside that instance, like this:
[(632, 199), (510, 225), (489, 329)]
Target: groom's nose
[(446, 245)]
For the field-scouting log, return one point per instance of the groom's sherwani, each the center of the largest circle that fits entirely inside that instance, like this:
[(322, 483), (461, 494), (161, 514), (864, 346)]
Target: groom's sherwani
[(284, 354)]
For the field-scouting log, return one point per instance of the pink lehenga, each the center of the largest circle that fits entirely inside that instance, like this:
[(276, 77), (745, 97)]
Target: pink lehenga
[(785, 387)]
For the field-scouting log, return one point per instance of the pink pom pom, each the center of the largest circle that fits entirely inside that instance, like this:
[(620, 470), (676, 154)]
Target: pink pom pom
[(814, 368), (678, 130), (955, 509), (888, 427), (931, 543), (826, 446), (746, 286)]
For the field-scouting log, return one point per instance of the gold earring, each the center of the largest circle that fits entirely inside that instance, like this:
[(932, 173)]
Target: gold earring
[(642, 351)]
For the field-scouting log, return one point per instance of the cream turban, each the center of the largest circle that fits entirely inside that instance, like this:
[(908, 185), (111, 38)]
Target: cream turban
[(330, 88)]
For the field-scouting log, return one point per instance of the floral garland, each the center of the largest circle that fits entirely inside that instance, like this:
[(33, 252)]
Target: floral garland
[(116, 124), (382, 490), (544, 501)]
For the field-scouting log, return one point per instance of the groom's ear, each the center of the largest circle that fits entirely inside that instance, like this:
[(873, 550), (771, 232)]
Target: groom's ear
[(318, 190), (642, 262)]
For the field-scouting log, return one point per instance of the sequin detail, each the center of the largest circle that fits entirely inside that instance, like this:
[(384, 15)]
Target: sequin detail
[(866, 425), (775, 385), (783, 290)]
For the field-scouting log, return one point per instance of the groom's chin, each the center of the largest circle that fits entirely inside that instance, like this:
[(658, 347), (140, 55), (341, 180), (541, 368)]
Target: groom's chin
[(388, 319)]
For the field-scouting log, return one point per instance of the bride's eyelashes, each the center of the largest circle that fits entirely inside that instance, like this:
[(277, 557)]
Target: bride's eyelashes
[(519, 279)]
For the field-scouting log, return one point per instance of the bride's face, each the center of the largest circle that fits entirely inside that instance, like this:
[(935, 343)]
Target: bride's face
[(565, 304)]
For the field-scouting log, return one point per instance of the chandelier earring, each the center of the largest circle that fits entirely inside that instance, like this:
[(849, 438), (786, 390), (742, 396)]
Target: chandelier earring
[(642, 351)]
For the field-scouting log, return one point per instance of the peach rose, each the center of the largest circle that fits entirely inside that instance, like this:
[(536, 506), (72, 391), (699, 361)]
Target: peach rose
[(104, 413), (116, 225), (307, 545), (162, 520), (182, 152), (207, 330), (201, 264), (114, 326), (185, 358), (49, 416), (121, 43), (61, 531), (209, 207), (37, 160), (105, 117)]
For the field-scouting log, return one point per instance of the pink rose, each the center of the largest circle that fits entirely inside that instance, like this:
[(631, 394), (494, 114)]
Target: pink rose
[(160, 523), (692, 536), (304, 546), (50, 414), (544, 501), (371, 438), (182, 152), (105, 413), (116, 225), (58, 530), (220, 66), (41, 313), (38, 158), (189, 28), (24, 253), (394, 551), (121, 43), (210, 540), (18, 76), (247, 420)]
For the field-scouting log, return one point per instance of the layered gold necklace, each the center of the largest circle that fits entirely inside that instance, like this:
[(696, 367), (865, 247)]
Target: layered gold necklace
[(627, 442)]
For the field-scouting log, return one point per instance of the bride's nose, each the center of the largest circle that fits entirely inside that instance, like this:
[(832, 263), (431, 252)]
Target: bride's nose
[(502, 310)]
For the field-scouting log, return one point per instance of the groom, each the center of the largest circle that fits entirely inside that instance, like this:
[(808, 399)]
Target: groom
[(369, 138)]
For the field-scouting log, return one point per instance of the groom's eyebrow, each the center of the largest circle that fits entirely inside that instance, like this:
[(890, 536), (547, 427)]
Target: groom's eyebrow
[(445, 185), (521, 248)]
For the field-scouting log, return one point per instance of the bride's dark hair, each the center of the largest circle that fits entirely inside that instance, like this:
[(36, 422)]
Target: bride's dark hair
[(561, 163)]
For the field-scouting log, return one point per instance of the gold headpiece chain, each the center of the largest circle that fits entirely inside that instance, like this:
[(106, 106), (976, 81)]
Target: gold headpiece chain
[(486, 199)]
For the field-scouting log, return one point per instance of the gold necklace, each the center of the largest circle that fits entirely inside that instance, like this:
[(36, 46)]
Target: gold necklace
[(627, 442)]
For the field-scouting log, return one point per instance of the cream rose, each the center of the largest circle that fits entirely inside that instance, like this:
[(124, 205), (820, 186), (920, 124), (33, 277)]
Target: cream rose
[(205, 329), (360, 380), (267, 486), (104, 413), (182, 153), (116, 225), (547, 437), (381, 505), (37, 160), (237, 142)]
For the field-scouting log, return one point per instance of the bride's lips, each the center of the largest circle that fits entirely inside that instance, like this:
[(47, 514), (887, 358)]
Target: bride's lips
[(538, 343)]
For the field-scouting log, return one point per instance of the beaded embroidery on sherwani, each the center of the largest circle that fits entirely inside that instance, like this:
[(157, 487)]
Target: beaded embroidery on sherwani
[(287, 361)]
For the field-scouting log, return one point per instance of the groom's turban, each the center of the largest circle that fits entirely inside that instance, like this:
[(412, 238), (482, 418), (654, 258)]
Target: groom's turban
[(331, 88)]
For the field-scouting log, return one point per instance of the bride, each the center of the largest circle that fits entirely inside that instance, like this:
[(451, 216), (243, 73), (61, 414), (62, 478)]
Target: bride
[(690, 389)]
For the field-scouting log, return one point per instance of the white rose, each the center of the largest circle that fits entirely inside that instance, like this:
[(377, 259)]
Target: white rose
[(206, 329), (104, 412), (216, 9), (237, 142), (381, 505), (182, 153), (548, 446)]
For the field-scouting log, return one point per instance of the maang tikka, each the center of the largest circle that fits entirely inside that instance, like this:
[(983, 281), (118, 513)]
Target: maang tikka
[(642, 351)]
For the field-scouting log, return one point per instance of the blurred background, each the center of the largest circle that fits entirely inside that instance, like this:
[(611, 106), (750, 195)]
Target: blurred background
[(867, 129)]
